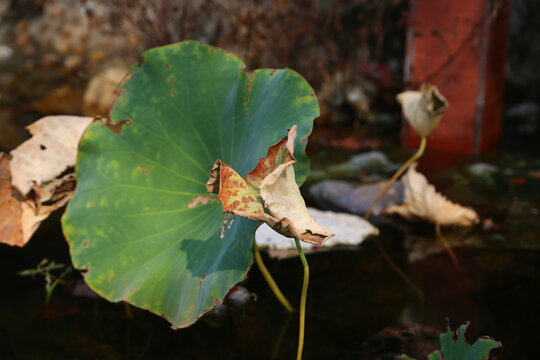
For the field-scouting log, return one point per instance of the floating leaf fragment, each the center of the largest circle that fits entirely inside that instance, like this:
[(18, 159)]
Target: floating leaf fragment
[(273, 181), (423, 202)]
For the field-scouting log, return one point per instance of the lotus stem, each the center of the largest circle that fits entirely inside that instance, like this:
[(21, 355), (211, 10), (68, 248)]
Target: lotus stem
[(269, 279), (302, 300), (385, 188), (398, 271), (281, 335), (449, 250), (397, 174)]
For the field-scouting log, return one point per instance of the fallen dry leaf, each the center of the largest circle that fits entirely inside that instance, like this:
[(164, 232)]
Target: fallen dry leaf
[(51, 151), (423, 202), (273, 180), (38, 178), (10, 207)]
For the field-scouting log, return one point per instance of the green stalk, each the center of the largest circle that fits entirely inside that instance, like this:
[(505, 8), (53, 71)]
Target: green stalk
[(398, 271), (383, 252), (398, 173), (302, 300), (281, 335), (269, 279)]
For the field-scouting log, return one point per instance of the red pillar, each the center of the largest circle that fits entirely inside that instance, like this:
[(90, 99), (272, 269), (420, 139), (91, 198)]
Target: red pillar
[(461, 47)]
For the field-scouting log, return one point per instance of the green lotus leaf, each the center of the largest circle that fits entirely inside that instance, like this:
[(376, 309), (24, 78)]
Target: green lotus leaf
[(455, 347), (141, 223)]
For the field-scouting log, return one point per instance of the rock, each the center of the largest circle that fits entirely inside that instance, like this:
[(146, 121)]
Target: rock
[(391, 342), (233, 308), (341, 196), (5, 52), (525, 116), (370, 161), (481, 169), (61, 100), (100, 93), (349, 230)]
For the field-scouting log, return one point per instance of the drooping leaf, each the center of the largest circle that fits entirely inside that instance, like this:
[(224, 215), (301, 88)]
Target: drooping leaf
[(274, 182), (423, 202), (38, 177), (423, 109), (458, 349), (141, 221)]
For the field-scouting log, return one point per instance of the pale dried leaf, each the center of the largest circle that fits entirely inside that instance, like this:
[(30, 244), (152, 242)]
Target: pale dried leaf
[(274, 180), (282, 198), (45, 165), (350, 230), (423, 202), (50, 152), (31, 217), (423, 109)]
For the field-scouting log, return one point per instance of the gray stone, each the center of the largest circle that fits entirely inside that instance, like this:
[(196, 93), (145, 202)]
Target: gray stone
[(349, 230), (341, 196)]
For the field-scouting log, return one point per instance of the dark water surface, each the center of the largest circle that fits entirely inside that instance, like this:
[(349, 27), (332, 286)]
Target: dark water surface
[(357, 307)]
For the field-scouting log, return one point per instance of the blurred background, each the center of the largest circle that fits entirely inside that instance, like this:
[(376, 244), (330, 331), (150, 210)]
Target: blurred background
[(68, 56)]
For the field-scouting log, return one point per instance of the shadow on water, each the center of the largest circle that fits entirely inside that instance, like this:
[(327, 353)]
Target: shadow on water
[(357, 307)]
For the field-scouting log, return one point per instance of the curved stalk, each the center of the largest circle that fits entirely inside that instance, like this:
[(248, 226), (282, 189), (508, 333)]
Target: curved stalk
[(398, 271), (398, 173), (281, 335), (447, 246), (269, 279), (302, 300), (385, 188)]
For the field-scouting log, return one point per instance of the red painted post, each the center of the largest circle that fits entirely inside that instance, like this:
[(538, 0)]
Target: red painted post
[(461, 47)]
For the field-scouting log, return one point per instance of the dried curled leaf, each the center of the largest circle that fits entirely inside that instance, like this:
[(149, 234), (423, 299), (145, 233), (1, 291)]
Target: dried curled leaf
[(273, 184), (51, 151), (423, 202), (38, 178), (10, 208), (423, 109)]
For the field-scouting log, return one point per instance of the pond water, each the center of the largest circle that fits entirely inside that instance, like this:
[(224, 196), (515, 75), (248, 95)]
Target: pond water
[(358, 308)]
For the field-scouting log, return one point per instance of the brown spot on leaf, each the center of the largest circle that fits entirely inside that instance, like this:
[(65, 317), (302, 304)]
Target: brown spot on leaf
[(167, 66), (114, 127), (173, 92), (200, 282), (120, 90), (201, 200), (140, 61), (85, 244), (143, 169)]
